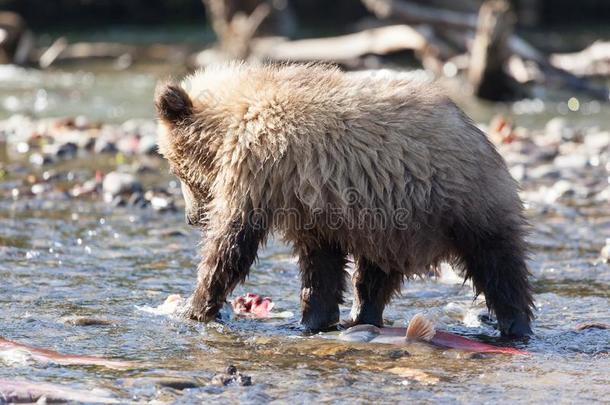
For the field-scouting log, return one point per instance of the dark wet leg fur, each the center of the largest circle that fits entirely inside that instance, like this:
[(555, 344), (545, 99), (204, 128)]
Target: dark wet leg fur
[(322, 284), (495, 262), (373, 289), (226, 261)]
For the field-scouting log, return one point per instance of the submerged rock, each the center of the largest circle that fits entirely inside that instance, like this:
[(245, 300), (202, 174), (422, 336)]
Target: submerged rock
[(178, 383), (85, 321), (232, 376)]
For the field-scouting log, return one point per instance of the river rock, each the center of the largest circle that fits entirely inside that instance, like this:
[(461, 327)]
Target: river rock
[(40, 188), (231, 376), (88, 187), (117, 183), (160, 201), (597, 141), (571, 161), (104, 145), (518, 172), (128, 144), (545, 171), (148, 145), (38, 159), (605, 253), (137, 200), (66, 150), (559, 126)]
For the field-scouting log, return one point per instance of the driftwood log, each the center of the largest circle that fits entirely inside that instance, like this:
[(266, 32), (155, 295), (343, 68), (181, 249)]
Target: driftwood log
[(379, 41)]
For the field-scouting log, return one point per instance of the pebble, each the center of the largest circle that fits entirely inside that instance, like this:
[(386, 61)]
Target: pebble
[(81, 122), (128, 144), (148, 145), (162, 203), (86, 143), (137, 200), (117, 183), (605, 253), (22, 147), (40, 188), (104, 145), (231, 376), (38, 159), (571, 161), (560, 189), (118, 201), (545, 171), (87, 188), (65, 150), (518, 172), (597, 141), (559, 126)]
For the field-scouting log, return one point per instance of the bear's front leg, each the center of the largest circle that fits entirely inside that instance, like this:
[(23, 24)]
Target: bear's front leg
[(322, 284), (228, 253)]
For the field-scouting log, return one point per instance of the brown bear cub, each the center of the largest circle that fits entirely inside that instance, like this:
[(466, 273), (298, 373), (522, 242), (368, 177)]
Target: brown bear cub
[(381, 167)]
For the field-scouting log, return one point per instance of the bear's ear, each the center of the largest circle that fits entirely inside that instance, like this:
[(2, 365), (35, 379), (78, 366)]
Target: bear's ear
[(173, 104)]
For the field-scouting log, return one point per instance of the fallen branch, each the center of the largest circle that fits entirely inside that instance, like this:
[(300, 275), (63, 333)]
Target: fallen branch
[(593, 61), (234, 28), (61, 51), (418, 14)]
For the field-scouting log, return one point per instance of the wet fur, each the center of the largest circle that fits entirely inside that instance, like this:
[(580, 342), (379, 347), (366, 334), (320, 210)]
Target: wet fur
[(313, 143)]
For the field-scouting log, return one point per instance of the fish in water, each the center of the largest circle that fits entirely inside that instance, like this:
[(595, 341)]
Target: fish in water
[(12, 350), (21, 391), (252, 305), (421, 329)]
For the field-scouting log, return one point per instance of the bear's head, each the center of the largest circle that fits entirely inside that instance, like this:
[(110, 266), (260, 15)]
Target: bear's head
[(184, 139)]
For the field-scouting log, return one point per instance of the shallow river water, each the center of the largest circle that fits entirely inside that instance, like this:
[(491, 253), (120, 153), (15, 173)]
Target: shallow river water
[(82, 257)]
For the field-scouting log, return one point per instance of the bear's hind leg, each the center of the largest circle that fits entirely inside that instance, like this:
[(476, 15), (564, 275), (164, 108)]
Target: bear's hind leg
[(495, 261), (322, 284), (373, 289)]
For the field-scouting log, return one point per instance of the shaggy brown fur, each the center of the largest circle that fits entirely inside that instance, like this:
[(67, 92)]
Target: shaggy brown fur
[(386, 169)]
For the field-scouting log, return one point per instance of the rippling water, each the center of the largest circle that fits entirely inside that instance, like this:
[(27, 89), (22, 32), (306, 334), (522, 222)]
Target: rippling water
[(62, 257)]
